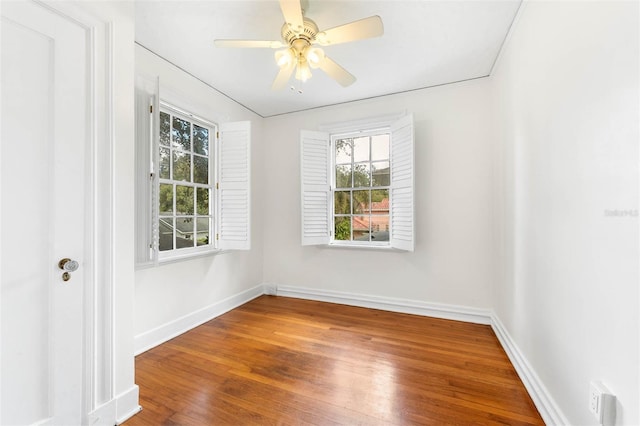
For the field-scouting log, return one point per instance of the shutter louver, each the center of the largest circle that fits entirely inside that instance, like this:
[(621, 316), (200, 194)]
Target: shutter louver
[(234, 205), (315, 187), (147, 95), (402, 184)]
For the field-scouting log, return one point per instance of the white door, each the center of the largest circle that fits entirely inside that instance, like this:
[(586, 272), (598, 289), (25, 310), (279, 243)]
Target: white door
[(42, 214)]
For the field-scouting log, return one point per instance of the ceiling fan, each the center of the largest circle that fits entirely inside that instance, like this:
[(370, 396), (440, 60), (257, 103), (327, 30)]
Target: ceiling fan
[(300, 40)]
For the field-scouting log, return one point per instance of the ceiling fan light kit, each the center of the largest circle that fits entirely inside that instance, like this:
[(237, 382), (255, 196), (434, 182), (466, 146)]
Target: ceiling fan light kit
[(300, 35)]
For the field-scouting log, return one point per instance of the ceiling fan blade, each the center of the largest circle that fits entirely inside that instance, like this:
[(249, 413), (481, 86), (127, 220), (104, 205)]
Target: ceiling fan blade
[(283, 76), (356, 30), (249, 43), (292, 12), (335, 71)]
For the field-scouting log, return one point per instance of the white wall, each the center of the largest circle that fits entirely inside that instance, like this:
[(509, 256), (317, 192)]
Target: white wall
[(566, 91), (169, 292), (452, 259)]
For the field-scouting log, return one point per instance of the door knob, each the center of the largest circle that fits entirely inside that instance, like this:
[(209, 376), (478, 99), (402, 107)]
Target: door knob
[(68, 265)]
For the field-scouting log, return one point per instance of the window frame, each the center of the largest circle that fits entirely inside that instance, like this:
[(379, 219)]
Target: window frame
[(213, 128), (317, 176), (370, 133)]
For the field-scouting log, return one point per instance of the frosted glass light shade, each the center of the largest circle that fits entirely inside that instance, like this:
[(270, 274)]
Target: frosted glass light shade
[(315, 56), (284, 57)]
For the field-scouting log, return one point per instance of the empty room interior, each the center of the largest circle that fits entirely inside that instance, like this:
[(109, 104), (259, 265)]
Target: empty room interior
[(320, 212)]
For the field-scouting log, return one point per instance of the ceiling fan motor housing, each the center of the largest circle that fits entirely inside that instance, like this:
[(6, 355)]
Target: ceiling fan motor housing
[(308, 32)]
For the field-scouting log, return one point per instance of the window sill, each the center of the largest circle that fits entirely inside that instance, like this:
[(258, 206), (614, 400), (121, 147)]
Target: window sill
[(360, 247), (181, 258)]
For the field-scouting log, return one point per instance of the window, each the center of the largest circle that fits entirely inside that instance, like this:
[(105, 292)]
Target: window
[(185, 167), (361, 187), (192, 181), (357, 185)]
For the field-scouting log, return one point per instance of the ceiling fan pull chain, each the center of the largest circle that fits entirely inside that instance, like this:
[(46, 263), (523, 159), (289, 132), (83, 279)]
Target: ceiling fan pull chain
[(298, 90)]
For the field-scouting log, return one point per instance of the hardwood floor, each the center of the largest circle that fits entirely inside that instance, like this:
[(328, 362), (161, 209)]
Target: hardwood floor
[(279, 360)]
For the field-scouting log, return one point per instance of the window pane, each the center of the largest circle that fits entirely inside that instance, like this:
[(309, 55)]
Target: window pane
[(343, 176), (181, 166), (361, 149), (181, 133), (342, 202), (343, 151), (202, 227), (165, 199), (200, 169), (165, 128), (202, 199), (360, 228), (379, 228), (361, 202), (380, 173), (379, 147), (380, 201), (165, 171), (361, 213), (342, 228), (361, 175), (184, 199), (166, 233), (184, 232), (200, 140)]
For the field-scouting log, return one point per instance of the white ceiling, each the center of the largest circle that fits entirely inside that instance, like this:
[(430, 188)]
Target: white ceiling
[(425, 43)]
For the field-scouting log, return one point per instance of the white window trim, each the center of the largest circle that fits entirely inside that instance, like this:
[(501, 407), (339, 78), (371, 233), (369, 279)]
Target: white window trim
[(186, 114)]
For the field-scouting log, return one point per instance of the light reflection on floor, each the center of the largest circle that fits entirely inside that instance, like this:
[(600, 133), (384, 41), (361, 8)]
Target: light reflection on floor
[(377, 396)]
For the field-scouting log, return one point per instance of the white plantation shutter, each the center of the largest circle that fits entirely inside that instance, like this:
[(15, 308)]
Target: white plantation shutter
[(315, 186), (147, 112), (234, 186), (402, 182)]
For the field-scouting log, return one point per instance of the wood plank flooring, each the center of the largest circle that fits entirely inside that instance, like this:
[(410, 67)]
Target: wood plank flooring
[(279, 360)]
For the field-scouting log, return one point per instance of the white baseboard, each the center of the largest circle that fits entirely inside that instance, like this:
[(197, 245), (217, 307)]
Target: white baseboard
[(152, 338), (117, 410), (436, 310), (544, 402), (127, 404), (269, 289), (104, 415)]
